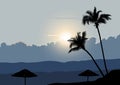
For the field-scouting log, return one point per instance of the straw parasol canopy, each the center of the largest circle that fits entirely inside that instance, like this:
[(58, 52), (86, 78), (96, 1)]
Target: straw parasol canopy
[(24, 74), (88, 73)]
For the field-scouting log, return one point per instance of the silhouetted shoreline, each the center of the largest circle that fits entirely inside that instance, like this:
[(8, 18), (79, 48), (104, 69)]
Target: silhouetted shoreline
[(111, 79)]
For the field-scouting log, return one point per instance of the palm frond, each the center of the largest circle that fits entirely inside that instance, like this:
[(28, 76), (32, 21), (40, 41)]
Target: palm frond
[(97, 15), (86, 19), (72, 44), (84, 34), (94, 11), (101, 20), (83, 41), (74, 49), (105, 16), (89, 13), (72, 39), (98, 12), (78, 37)]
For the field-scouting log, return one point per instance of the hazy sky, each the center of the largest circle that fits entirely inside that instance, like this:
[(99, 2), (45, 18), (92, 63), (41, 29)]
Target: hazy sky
[(31, 21)]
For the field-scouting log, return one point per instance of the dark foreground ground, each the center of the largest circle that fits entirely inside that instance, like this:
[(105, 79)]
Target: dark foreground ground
[(113, 78)]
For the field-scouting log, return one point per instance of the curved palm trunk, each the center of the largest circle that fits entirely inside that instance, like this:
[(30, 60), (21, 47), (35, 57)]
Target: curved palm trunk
[(102, 49), (94, 62)]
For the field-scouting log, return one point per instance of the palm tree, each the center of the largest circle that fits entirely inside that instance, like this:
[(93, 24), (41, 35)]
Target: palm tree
[(96, 18), (79, 43)]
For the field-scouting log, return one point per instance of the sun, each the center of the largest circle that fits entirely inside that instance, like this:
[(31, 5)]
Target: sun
[(65, 36)]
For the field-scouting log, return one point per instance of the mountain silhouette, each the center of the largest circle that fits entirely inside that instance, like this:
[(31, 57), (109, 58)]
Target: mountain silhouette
[(52, 66)]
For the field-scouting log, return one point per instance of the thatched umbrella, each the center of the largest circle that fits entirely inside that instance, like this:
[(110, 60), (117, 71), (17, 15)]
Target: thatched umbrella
[(88, 73), (25, 74)]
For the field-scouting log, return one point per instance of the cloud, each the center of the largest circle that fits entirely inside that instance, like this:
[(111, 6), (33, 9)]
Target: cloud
[(68, 18), (20, 52), (52, 35)]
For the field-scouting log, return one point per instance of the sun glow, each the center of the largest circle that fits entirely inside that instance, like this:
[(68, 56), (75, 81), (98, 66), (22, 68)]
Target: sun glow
[(65, 36), (62, 30)]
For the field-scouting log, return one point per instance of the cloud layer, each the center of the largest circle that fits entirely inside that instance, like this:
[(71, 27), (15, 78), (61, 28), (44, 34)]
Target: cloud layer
[(20, 52)]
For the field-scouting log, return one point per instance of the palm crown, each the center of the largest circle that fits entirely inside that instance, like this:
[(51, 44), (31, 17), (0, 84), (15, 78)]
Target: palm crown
[(78, 42), (95, 17)]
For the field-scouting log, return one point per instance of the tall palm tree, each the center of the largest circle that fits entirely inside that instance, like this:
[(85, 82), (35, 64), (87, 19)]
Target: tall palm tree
[(96, 18), (79, 43)]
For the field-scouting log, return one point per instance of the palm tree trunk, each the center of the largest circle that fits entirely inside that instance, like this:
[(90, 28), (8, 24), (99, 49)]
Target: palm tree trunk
[(101, 44), (94, 62)]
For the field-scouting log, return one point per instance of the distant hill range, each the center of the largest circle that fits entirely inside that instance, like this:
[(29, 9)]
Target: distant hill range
[(52, 66)]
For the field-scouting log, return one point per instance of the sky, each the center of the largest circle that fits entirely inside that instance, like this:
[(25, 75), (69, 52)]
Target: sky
[(33, 21)]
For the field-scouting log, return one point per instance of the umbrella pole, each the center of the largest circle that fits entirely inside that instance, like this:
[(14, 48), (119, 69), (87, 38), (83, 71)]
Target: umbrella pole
[(25, 81), (87, 78)]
